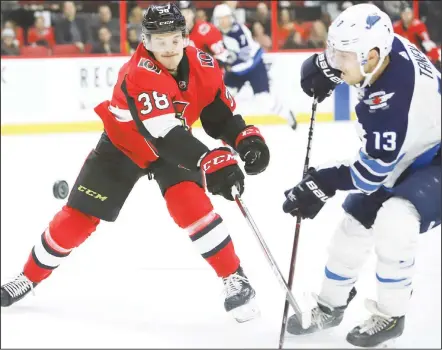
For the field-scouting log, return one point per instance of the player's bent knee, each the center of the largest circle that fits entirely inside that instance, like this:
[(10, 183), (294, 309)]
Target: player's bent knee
[(396, 230), (70, 227), (187, 203), (351, 243)]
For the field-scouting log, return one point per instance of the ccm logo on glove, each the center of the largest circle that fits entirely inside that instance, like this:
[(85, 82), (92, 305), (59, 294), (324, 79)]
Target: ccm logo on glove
[(219, 158)]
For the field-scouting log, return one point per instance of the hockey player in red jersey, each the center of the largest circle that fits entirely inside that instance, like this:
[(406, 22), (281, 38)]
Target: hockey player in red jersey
[(416, 31), (161, 91), (204, 35)]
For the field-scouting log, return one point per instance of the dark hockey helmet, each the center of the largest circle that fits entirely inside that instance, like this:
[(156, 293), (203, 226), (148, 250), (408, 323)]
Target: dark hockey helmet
[(162, 19)]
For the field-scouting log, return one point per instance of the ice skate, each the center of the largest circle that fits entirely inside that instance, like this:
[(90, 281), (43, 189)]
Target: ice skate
[(240, 297), (16, 290), (379, 330), (323, 316)]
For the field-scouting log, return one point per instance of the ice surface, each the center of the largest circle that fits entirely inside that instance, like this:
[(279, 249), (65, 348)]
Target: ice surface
[(139, 282)]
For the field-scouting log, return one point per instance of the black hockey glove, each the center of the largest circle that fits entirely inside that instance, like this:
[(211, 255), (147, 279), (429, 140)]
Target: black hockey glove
[(222, 172), (307, 198), (318, 79), (253, 150)]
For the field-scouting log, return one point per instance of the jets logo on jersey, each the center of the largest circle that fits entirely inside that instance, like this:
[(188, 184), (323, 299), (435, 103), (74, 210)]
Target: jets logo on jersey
[(378, 100), (180, 108), (149, 65)]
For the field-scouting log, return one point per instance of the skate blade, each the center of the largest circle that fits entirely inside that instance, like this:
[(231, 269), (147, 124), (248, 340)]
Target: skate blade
[(246, 312), (389, 344)]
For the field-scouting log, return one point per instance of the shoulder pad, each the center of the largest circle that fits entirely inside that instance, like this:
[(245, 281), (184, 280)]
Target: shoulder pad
[(149, 65)]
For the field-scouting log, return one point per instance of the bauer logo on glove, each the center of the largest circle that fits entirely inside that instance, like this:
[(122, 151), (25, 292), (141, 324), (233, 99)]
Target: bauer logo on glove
[(307, 198)]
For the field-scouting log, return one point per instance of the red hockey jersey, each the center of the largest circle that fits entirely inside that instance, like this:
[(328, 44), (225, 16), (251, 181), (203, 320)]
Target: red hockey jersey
[(205, 36), (161, 101), (417, 33)]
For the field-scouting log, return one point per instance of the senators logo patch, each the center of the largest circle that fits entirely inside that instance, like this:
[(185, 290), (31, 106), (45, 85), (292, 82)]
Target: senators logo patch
[(205, 59), (149, 65), (180, 108)]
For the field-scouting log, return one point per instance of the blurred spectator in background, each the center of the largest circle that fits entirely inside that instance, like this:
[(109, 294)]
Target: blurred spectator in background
[(431, 15), (416, 31), (318, 36), (261, 37), (294, 41), (135, 19), (393, 9), (132, 41), (41, 35), (238, 13), (286, 27), (19, 36), (105, 44), (105, 20), (263, 16), (201, 15), (9, 44), (70, 29), (291, 33)]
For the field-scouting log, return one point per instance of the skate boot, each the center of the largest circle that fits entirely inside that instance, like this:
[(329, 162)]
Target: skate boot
[(322, 317), (240, 297), (16, 290), (378, 330)]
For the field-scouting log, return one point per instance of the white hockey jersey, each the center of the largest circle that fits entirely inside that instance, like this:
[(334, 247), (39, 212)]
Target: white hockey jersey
[(399, 121)]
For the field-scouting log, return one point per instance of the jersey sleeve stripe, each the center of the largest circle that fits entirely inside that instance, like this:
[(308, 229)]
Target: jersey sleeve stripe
[(161, 125), (362, 184), (367, 174), (377, 166)]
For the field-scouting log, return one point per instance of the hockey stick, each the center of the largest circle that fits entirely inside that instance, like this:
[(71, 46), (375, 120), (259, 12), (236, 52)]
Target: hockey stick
[(297, 230), (265, 249)]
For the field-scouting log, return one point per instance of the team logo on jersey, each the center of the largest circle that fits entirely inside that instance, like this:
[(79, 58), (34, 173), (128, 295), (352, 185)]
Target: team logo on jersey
[(205, 59), (378, 100), (180, 108), (204, 28), (149, 65)]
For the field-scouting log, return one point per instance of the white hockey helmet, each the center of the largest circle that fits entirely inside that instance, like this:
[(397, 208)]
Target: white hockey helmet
[(359, 29), (221, 10)]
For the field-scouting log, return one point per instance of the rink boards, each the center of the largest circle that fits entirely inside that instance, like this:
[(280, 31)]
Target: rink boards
[(47, 95)]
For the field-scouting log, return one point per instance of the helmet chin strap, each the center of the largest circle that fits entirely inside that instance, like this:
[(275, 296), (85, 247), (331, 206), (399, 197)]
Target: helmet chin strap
[(368, 76)]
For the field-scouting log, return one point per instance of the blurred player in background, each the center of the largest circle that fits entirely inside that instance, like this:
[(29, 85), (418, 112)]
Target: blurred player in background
[(396, 174), (204, 35), (247, 64), (416, 31), (161, 91)]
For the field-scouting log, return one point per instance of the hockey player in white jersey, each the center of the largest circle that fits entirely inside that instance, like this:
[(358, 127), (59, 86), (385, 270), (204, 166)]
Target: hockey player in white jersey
[(246, 63), (395, 177)]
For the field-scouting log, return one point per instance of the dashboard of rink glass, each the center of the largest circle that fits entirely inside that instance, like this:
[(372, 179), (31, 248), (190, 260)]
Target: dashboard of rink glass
[(58, 94)]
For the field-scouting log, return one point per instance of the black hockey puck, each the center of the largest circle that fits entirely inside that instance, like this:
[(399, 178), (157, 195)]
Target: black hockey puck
[(60, 189)]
